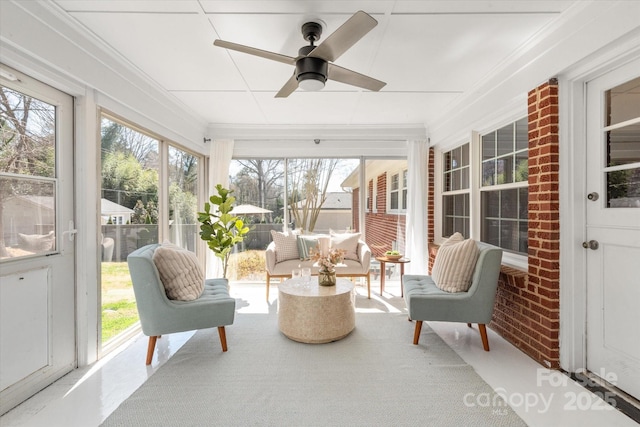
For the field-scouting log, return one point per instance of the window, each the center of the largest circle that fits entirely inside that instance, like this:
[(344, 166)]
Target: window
[(398, 191), (504, 187), (455, 194), (28, 180)]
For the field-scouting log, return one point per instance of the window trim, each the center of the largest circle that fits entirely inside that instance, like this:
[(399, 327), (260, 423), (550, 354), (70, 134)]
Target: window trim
[(510, 259), (390, 174), (444, 192)]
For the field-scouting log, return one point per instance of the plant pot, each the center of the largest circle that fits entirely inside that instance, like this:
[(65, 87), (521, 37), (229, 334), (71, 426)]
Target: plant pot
[(326, 278)]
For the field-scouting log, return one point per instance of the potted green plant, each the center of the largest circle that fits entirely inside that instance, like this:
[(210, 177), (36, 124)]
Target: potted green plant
[(219, 227)]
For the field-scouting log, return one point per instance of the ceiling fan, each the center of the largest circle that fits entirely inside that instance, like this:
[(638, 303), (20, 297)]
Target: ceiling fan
[(314, 63)]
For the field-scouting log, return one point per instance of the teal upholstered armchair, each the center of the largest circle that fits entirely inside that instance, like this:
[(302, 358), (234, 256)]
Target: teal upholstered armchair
[(425, 301), (160, 315)]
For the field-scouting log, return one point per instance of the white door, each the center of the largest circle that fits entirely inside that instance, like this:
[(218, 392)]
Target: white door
[(37, 249), (613, 227)]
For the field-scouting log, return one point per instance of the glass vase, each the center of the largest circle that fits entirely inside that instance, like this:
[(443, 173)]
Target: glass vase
[(326, 278)]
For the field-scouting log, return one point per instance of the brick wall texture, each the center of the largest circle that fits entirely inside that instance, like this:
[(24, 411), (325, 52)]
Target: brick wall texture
[(527, 311)]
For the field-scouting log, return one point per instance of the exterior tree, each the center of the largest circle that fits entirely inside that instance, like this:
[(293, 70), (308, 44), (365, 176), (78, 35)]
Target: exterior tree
[(125, 181), (308, 184), (259, 183)]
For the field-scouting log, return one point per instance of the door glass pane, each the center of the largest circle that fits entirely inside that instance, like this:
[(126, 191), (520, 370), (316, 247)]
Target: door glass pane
[(623, 188), (183, 199), (623, 102), (623, 145), (28, 216), (27, 175)]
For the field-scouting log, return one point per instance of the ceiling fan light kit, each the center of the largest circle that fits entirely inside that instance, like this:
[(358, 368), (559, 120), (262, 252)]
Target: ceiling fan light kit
[(312, 67)]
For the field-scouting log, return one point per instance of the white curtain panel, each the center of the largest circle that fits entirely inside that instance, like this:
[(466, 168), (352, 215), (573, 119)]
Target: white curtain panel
[(219, 161), (416, 245)]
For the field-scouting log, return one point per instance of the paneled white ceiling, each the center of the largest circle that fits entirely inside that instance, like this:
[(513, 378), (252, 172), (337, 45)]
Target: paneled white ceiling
[(431, 54)]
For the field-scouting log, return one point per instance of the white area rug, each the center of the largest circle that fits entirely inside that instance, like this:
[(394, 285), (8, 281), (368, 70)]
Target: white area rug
[(375, 376)]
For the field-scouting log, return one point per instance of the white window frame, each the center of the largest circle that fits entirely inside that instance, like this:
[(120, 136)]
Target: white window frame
[(402, 187), (444, 192), (520, 259)]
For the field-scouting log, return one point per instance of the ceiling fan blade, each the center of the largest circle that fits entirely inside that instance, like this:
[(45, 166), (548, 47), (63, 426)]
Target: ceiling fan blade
[(349, 77), (344, 37), (289, 87), (257, 52)]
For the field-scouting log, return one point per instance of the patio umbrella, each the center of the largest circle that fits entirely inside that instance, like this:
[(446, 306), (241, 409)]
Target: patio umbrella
[(249, 210)]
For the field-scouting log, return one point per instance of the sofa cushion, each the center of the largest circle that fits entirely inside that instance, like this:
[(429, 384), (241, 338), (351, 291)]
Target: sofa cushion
[(305, 244), (348, 242), (454, 265), (180, 272), (286, 246)]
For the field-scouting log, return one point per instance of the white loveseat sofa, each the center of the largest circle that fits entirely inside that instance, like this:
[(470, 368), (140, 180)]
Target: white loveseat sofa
[(287, 252)]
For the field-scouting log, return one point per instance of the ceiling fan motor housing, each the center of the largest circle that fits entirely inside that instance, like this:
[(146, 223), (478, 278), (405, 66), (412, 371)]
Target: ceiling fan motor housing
[(309, 67)]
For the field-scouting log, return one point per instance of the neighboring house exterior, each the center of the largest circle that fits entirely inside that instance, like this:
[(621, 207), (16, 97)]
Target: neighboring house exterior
[(335, 213), (117, 214), (385, 199)]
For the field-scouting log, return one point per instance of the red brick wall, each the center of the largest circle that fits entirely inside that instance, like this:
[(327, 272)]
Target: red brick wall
[(382, 228), (527, 311)]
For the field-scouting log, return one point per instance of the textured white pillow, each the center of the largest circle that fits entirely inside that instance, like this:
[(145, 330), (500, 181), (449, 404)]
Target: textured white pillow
[(36, 242), (454, 265), (286, 246), (180, 272), (348, 242)]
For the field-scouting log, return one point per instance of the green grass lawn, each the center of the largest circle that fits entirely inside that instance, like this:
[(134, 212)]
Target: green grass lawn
[(119, 309)]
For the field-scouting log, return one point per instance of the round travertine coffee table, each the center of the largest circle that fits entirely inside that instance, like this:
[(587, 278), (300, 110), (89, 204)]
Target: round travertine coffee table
[(316, 314)]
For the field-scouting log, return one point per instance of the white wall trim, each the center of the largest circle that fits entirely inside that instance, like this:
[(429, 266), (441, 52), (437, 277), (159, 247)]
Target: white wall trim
[(387, 134), (267, 148)]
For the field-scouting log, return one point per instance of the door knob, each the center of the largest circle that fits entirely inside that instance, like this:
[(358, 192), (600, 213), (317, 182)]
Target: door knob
[(591, 244), (593, 196)]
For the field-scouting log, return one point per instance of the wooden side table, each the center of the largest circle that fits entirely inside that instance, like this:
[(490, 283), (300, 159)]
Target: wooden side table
[(383, 260)]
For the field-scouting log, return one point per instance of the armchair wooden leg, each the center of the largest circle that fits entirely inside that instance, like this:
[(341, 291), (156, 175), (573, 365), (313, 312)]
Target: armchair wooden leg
[(483, 334), (416, 334), (369, 285), (150, 348), (268, 281), (223, 337)]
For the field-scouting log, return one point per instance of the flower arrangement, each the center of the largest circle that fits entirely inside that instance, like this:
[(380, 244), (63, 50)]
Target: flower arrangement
[(329, 261)]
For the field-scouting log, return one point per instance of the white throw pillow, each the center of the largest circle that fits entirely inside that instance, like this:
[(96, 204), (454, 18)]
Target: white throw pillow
[(36, 242), (348, 242), (286, 246), (454, 265), (180, 272)]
